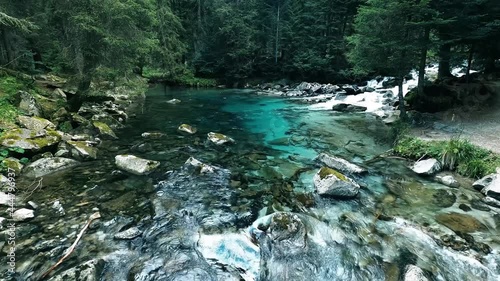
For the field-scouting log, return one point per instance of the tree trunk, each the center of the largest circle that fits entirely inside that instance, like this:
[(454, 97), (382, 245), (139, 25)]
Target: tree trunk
[(444, 61), (423, 60), (402, 107)]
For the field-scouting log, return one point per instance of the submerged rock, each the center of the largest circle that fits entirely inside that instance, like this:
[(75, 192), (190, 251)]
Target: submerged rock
[(46, 166), (447, 180), (427, 167), (489, 185), (152, 135), (330, 182), (187, 129), (27, 139), (23, 214), (136, 165), (491, 201), (339, 164), (36, 123), (87, 271), (219, 139), (459, 222), (105, 130), (173, 101)]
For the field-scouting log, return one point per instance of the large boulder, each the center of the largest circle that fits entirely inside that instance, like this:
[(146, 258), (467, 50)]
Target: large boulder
[(46, 166), (219, 139), (36, 123), (329, 182), (489, 185), (33, 140), (135, 165), (339, 164), (427, 167), (28, 104)]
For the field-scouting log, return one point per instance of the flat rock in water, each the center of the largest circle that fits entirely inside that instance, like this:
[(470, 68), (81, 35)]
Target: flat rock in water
[(173, 101), (128, 234), (344, 107), (426, 167), (198, 166), (187, 129), (152, 135), (339, 164), (447, 180), (329, 182), (46, 166), (219, 139), (459, 222), (135, 165), (23, 214)]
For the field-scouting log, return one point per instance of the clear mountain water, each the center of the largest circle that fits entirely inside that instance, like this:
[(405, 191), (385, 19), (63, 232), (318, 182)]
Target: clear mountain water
[(210, 227)]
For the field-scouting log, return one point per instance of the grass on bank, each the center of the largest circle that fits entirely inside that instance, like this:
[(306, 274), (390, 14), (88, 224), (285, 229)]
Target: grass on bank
[(456, 155), (186, 78), (9, 86)]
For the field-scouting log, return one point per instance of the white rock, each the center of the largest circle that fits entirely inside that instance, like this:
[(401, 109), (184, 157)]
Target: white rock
[(491, 201), (427, 167), (219, 139), (152, 135), (332, 183), (340, 164), (5, 199), (187, 128), (58, 208), (203, 168), (414, 273), (135, 165), (23, 214), (46, 166), (36, 123), (173, 101), (489, 185), (447, 180)]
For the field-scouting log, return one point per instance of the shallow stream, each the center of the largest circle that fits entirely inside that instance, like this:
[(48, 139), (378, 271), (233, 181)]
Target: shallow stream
[(213, 227)]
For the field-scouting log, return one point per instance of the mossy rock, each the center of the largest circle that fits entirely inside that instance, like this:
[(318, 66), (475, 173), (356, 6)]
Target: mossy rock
[(13, 164), (30, 139), (187, 129), (105, 130), (82, 150), (219, 139), (325, 172)]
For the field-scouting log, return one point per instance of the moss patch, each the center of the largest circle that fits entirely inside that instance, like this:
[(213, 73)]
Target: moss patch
[(325, 172)]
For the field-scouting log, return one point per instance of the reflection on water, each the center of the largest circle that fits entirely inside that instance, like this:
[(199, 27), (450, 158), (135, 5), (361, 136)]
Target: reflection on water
[(207, 226)]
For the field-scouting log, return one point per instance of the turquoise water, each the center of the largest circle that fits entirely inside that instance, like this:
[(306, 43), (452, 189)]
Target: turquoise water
[(268, 169)]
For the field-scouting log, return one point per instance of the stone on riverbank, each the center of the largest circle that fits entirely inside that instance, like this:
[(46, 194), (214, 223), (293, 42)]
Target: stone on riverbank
[(36, 123), (427, 167), (489, 185), (46, 166), (82, 150), (105, 130), (329, 182), (340, 164), (344, 107), (198, 167), (459, 222), (23, 215), (13, 164), (135, 165), (30, 139), (219, 139)]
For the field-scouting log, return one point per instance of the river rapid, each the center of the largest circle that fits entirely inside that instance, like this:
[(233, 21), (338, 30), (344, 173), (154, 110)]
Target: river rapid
[(256, 216)]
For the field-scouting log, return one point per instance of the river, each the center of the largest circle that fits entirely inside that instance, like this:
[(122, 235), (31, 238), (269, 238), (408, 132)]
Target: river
[(256, 217)]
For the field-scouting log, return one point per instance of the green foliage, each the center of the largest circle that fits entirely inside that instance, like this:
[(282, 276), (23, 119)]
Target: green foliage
[(182, 78), (9, 86), (455, 154)]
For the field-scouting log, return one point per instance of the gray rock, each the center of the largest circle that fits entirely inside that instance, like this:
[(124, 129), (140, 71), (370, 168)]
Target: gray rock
[(219, 139), (198, 166), (152, 135), (414, 273), (87, 271), (5, 199), (447, 180), (46, 166), (491, 201), (23, 214), (135, 165), (30, 139), (82, 150), (489, 185), (187, 128), (28, 104), (304, 86), (33, 205), (58, 208), (340, 164), (173, 101), (128, 234), (426, 167), (105, 130), (62, 153), (36, 123), (344, 107), (332, 183)]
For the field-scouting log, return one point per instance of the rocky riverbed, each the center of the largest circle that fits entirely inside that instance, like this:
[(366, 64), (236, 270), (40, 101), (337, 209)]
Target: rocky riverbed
[(229, 185)]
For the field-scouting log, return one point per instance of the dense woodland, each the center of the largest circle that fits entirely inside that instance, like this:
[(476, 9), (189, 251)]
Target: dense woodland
[(237, 41)]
